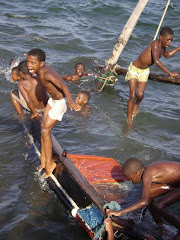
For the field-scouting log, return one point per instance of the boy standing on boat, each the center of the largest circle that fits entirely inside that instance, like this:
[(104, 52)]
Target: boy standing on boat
[(56, 106), (31, 94), (138, 70), (159, 178)]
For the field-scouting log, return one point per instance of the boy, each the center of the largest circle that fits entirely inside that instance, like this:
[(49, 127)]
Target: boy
[(56, 106), (79, 73), (166, 176), (31, 94), (138, 71), (82, 99)]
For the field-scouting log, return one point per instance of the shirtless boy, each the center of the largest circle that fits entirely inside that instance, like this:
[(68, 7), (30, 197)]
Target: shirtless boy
[(83, 98), (56, 106), (138, 70), (159, 178), (31, 94), (79, 73)]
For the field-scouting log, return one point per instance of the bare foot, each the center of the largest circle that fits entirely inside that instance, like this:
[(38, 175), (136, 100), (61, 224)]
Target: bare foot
[(41, 167), (135, 110), (49, 170)]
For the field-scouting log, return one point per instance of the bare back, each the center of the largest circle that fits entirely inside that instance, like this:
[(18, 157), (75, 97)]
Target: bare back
[(145, 59), (167, 172), (33, 89)]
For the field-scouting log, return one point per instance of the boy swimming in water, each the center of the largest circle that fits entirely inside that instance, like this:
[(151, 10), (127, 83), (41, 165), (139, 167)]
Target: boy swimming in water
[(79, 73), (56, 106), (138, 70), (31, 94), (82, 99), (158, 178)]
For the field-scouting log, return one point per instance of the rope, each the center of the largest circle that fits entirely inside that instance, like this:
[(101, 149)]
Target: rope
[(113, 205), (162, 19), (107, 79)]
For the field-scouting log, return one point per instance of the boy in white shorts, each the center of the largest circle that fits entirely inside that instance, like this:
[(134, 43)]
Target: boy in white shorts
[(55, 107)]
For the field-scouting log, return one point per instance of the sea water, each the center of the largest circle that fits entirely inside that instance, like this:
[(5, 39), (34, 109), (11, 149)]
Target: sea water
[(85, 31)]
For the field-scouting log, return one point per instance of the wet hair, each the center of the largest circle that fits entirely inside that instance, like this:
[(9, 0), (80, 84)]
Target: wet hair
[(79, 63), (16, 70), (23, 67), (40, 54), (166, 31), (131, 166), (86, 95)]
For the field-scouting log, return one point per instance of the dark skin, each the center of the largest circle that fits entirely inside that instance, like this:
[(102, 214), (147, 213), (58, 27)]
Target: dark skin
[(151, 55), (79, 73), (32, 91), (165, 173), (56, 87)]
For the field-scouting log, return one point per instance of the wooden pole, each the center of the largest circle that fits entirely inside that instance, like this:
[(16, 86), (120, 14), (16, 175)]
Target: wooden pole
[(126, 33), (122, 40), (161, 19)]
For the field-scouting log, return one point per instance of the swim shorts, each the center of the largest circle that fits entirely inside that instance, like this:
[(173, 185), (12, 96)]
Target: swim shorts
[(16, 94), (140, 74), (58, 108)]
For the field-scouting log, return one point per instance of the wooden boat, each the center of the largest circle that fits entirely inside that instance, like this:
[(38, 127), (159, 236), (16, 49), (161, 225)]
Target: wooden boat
[(81, 188)]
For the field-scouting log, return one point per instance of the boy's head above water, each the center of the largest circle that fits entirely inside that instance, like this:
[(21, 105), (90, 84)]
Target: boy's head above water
[(79, 69), (83, 98), (15, 74), (35, 60), (166, 36), (133, 170)]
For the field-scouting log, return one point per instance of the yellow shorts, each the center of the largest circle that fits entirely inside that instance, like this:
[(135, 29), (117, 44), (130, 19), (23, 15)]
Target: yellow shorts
[(58, 108), (140, 74)]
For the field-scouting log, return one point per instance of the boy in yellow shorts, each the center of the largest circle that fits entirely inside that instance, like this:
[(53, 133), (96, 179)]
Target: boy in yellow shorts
[(138, 71)]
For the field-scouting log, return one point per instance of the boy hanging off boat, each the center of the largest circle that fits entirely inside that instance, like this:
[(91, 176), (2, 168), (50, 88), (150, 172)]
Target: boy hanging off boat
[(138, 70), (31, 94), (56, 106), (79, 73), (159, 178)]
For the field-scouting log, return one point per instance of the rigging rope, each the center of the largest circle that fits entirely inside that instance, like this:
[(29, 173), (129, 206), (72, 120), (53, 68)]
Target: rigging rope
[(162, 19)]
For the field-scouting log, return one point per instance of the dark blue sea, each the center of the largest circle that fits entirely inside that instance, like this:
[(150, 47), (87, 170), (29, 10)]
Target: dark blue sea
[(85, 31)]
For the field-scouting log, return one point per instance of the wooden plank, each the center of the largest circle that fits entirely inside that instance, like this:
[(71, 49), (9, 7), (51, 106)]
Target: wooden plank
[(155, 76), (81, 180)]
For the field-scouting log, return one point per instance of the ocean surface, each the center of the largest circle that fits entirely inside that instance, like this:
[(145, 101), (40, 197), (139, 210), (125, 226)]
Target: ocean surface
[(85, 31)]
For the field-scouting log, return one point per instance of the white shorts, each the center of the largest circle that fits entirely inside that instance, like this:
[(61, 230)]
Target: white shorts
[(58, 108)]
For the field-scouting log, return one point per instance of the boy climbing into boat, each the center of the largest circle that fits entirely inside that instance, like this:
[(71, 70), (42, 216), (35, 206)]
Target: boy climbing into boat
[(138, 71), (56, 106), (31, 94), (79, 70), (159, 178)]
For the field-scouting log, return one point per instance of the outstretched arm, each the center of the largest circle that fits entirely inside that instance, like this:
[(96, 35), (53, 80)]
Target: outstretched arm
[(72, 77), (172, 52), (143, 202), (155, 55), (58, 81)]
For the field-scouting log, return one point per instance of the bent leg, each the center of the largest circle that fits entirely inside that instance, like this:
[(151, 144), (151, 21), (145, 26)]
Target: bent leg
[(140, 96), (167, 200), (132, 98)]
